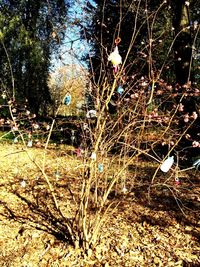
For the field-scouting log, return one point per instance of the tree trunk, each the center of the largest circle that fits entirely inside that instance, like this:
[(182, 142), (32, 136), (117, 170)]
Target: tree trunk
[(183, 42)]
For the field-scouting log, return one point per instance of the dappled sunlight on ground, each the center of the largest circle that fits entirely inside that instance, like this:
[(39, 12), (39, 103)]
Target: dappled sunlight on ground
[(147, 226)]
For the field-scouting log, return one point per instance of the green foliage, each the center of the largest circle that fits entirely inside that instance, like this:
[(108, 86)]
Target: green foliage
[(26, 44)]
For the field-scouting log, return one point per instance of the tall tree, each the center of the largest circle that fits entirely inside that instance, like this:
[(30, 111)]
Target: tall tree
[(183, 42), (29, 32), (147, 29)]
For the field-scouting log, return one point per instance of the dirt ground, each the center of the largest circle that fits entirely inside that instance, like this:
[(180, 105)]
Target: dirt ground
[(162, 232)]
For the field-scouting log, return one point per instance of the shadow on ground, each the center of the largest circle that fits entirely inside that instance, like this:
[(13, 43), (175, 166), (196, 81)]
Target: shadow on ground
[(36, 208)]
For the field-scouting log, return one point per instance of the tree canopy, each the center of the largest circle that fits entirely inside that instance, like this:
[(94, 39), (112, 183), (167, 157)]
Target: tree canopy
[(30, 31), (157, 37)]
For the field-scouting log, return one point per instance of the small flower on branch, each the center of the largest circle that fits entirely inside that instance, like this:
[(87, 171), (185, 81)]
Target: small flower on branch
[(194, 115), (186, 117), (181, 107), (195, 144)]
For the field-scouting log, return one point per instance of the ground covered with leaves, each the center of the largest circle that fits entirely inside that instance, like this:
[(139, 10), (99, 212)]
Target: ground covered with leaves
[(157, 227)]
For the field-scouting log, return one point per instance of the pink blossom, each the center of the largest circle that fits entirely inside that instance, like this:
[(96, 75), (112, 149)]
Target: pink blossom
[(169, 87), (159, 92), (144, 83), (15, 128), (194, 115), (186, 117), (181, 107), (166, 119), (48, 127), (136, 95), (177, 181), (155, 114), (35, 126), (195, 144)]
